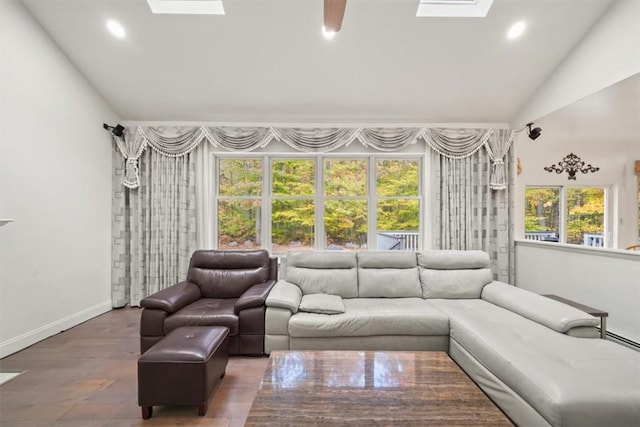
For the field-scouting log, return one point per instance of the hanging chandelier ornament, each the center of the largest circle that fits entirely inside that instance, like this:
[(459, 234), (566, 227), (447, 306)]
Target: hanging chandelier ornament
[(571, 164)]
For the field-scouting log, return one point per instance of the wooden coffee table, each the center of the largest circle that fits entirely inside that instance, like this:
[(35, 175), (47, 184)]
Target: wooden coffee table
[(303, 388)]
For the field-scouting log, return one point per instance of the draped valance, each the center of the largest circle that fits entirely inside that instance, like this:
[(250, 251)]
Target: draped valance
[(176, 141)]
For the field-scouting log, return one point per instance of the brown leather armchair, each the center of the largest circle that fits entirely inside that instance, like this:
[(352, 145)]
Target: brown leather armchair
[(223, 288)]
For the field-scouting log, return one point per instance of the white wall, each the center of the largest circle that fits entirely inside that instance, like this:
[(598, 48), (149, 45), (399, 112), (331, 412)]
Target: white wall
[(603, 129), (580, 110), (590, 106), (55, 181), (610, 52), (604, 279)]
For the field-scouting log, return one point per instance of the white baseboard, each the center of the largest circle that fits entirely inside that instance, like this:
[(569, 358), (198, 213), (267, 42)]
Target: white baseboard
[(23, 341)]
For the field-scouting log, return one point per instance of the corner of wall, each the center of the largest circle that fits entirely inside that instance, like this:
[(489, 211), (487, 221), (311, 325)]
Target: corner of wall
[(609, 53)]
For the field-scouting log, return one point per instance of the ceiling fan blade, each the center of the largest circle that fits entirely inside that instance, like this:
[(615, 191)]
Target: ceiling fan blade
[(333, 14)]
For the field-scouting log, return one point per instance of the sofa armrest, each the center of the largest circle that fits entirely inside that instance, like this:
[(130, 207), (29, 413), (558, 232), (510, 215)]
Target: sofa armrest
[(173, 298), (255, 296), (545, 311), (285, 295)]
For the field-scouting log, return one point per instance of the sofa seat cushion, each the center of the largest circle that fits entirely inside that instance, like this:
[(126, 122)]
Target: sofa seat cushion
[(569, 381), (205, 312), (365, 317)]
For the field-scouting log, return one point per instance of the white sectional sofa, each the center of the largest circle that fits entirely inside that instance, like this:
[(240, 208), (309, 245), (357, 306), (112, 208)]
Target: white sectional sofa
[(538, 359)]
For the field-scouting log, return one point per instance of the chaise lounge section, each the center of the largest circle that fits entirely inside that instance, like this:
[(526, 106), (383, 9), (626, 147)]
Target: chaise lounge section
[(538, 359)]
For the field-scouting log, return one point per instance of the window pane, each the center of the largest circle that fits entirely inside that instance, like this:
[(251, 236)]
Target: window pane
[(397, 178), (345, 177), (398, 224), (239, 225), (585, 216), (542, 213), (240, 177), (293, 177), (292, 225), (345, 224)]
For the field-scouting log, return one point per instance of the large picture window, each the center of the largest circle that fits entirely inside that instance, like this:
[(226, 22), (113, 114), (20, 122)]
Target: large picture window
[(239, 203), (293, 185), (345, 203), (398, 204), (334, 203), (574, 215)]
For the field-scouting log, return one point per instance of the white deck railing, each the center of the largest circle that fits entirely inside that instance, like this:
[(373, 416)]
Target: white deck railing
[(591, 240), (398, 240), (546, 236)]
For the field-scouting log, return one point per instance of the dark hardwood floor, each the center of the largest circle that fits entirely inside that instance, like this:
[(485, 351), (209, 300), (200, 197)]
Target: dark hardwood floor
[(87, 377)]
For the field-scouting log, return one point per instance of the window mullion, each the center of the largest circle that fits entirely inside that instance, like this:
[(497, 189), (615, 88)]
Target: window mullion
[(563, 215), (267, 189), (372, 212), (320, 239), (216, 193), (608, 225)]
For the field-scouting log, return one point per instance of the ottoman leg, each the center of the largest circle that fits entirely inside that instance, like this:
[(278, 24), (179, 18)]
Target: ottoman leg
[(147, 412), (202, 409)]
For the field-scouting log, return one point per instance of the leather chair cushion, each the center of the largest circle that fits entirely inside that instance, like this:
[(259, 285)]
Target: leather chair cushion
[(221, 274), (205, 312)]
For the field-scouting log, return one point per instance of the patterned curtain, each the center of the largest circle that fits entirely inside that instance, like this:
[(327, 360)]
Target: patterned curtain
[(154, 226), (498, 146), (162, 181), (239, 138), (471, 215), (316, 140), (389, 139), (131, 146), (456, 143)]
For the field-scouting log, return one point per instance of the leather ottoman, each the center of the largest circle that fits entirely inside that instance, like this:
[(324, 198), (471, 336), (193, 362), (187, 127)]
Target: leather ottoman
[(183, 368)]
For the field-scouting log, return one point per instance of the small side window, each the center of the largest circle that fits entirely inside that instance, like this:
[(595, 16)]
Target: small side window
[(574, 215)]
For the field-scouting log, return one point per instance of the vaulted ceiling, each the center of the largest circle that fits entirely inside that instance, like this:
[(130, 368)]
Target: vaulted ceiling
[(266, 61)]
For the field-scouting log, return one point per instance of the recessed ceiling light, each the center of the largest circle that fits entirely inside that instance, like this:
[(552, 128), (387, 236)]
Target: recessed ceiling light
[(328, 34), (190, 7), (516, 30), (116, 29), (454, 8)]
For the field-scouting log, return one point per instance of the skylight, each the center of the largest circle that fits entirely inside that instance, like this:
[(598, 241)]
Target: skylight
[(192, 7), (454, 8)]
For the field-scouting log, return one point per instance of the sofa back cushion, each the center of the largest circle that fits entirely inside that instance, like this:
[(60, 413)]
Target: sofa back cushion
[(454, 274), (227, 274), (388, 274), (323, 272)]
